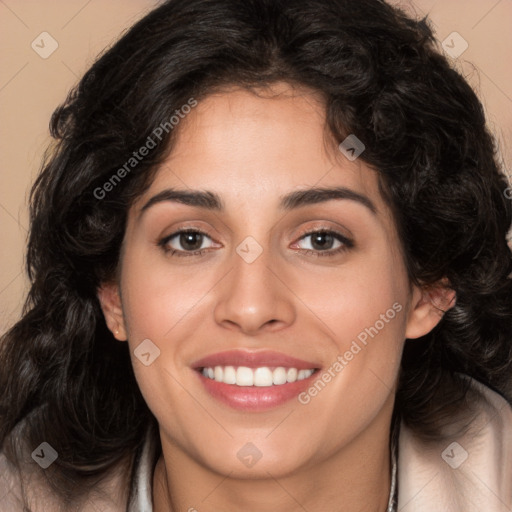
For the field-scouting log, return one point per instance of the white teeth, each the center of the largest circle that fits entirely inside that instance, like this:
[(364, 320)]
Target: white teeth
[(218, 373), (291, 375), (229, 375), (244, 376), (279, 376), (262, 377)]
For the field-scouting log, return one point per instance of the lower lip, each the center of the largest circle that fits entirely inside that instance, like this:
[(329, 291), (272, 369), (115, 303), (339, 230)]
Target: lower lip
[(255, 398)]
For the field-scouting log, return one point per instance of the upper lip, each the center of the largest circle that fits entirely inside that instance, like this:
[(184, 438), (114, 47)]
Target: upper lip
[(253, 360)]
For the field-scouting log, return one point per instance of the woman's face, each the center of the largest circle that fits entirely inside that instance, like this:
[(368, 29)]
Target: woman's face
[(264, 297)]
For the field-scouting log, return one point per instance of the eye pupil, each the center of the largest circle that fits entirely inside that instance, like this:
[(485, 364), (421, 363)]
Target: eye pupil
[(319, 239), (191, 241)]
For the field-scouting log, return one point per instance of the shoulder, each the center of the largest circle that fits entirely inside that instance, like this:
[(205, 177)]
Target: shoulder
[(25, 487), (471, 472)]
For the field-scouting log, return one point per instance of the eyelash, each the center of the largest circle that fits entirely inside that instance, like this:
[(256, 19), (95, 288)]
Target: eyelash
[(346, 243)]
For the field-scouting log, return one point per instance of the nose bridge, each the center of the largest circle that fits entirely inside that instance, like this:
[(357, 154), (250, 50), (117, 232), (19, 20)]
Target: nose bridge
[(252, 297), (251, 267)]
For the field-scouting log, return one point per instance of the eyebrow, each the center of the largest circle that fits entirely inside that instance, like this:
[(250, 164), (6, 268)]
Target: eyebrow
[(211, 201)]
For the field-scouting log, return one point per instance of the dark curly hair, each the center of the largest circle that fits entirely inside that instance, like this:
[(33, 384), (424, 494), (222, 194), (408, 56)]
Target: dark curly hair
[(381, 78)]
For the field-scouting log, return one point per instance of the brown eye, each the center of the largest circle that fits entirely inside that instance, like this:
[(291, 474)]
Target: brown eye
[(191, 241), (322, 240), (325, 243), (181, 242)]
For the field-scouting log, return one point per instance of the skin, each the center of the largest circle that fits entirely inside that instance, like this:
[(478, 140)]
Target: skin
[(333, 452)]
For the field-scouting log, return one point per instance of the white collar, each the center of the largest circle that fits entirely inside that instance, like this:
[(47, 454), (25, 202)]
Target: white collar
[(469, 473)]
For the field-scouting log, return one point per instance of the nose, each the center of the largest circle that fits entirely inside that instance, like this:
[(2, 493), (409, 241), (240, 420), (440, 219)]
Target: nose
[(254, 298)]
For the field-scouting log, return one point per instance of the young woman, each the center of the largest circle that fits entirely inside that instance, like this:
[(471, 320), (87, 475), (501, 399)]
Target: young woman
[(269, 272)]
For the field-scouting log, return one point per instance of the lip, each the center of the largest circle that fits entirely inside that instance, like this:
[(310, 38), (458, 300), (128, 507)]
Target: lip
[(248, 398), (253, 360)]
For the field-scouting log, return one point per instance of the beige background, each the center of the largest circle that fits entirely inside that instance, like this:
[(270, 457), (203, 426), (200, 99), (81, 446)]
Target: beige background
[(31, 87)]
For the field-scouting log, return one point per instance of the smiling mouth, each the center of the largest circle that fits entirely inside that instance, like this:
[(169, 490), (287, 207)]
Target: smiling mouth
[(263, 376), (254, 381)]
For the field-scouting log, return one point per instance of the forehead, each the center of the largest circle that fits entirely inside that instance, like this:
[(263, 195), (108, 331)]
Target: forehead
[(251, 147)]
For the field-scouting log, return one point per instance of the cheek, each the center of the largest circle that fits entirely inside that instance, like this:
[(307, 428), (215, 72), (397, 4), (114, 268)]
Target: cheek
[(367, 294), (163, 305), (363, 311), (158, 296)]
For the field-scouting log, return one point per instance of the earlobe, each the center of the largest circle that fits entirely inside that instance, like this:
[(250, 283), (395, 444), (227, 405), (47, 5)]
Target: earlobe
[(110, 302), (428, 307)]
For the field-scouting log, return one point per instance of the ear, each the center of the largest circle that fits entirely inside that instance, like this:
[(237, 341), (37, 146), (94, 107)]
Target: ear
[(110, 301), (428, 306)]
